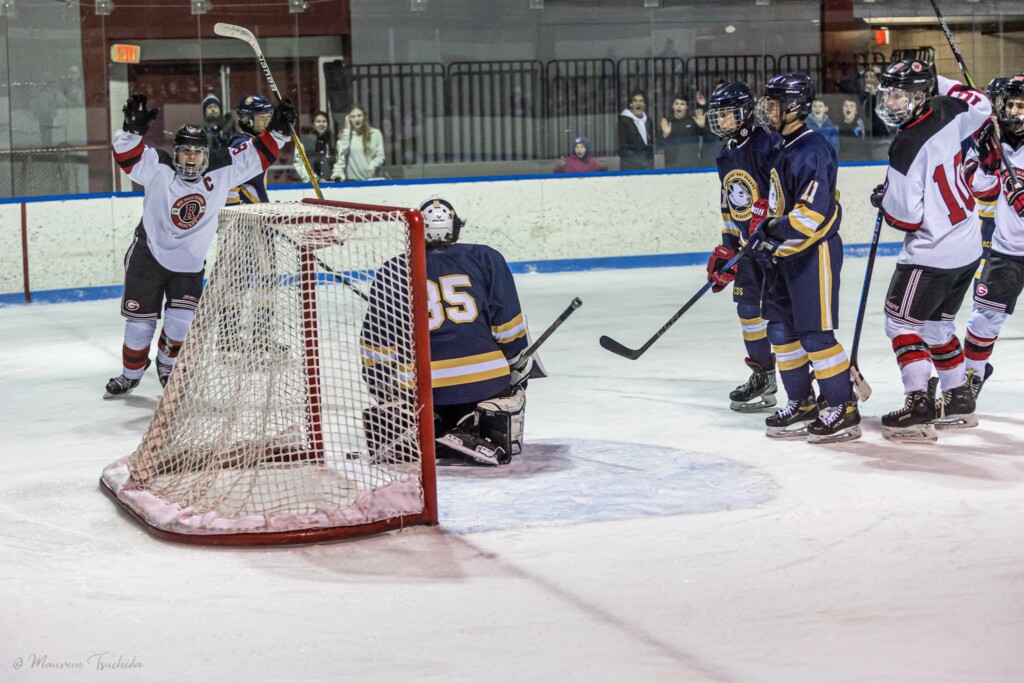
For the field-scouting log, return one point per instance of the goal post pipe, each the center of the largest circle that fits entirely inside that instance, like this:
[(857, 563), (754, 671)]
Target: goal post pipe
[(244, 34)]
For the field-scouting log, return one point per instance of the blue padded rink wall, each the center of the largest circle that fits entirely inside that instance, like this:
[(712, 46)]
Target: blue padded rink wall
[(647, 532)]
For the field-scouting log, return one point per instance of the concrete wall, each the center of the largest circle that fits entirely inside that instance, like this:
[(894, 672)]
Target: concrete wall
[(540, 220)]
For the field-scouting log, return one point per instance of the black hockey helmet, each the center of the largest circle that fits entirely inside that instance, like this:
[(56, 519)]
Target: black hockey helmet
[(995, 88), (903, 87), (249, 106), (1013, 90), (440, 222), (191, 138), (730, 110), (794, 93)]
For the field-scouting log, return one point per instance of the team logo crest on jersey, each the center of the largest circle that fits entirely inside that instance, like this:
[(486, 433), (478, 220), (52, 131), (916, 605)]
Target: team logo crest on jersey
[(187, 211), (131, 305), (982, 289), (776, 199), (740, 193)]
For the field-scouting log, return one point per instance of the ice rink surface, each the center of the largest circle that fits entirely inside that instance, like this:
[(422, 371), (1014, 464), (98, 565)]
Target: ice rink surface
[(647, 533)]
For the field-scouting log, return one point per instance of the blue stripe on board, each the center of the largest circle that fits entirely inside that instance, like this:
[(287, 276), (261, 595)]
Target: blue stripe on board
[(56, 296)]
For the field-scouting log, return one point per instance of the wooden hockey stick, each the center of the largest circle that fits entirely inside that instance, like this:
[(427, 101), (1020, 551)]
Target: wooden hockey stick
[(244, 34), (860, 385), (1007, 165), (632, 354)]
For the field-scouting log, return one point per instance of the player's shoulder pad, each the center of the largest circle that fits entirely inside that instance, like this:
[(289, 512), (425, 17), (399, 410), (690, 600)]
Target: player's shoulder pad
[(913, 136), (165, 158), (238, 138), (219, 159)]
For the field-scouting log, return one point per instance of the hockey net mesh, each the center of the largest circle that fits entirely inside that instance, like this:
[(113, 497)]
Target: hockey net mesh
[(261, 425)]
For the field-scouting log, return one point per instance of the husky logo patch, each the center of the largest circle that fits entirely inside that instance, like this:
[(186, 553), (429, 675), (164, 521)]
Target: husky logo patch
[(187, 211), (740, 192)]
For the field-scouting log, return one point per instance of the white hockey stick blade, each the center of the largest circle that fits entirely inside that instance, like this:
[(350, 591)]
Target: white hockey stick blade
[(232, 31), (860, 385)]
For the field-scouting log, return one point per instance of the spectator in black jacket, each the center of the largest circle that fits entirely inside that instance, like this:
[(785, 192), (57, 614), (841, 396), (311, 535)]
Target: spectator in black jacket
[(319, 151), (680, 136), (636, 135)]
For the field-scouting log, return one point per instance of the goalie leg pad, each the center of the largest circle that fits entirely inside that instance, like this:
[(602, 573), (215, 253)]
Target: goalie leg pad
[(389, 433), (501, 420)]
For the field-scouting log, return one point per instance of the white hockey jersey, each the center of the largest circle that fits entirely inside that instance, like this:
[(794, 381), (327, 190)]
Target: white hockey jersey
[(928, 196), (180, 216), (1008, 237)]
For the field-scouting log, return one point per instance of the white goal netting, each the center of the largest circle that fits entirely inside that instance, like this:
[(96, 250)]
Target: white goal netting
[(267, 430)]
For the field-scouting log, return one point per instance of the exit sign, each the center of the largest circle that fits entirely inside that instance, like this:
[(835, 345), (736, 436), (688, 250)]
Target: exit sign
[(125, 54)]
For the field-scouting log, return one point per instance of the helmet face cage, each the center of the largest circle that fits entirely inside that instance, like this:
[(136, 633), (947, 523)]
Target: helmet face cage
[(791, 93), (440, 222), (190, 138), (1012, 98), (895, 106), (730, 110)]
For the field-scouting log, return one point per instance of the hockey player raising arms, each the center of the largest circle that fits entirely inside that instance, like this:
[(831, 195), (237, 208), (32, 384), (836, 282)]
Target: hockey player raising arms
[(183, 194), (798, 227), (926, 196), (744, 165), (1002, 277), (477, 338)]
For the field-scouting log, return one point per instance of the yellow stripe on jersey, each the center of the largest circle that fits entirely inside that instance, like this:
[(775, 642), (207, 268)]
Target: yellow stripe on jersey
[(825, 285), (830, 362), (378, 354), (790, 356), (805, 219), (469, 369), (754, 328), (510, 331), (793, 246)]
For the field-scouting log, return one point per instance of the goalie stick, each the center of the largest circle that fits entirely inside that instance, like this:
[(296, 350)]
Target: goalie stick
[(860, 385), (1007, 165), (632, 354), (573, 305), (244, 34)]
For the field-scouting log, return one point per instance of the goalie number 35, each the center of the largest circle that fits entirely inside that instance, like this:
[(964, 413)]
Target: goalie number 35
[(448, 289)]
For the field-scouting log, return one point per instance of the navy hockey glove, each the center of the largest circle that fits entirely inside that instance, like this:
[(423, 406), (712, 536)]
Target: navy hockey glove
[(284, 118), (719, 257), (136, 117), (877, 195)]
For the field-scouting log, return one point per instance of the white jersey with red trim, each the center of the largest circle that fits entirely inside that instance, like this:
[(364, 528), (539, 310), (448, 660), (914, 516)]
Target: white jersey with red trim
[(180, 216), (1008, 237), (927, 195)]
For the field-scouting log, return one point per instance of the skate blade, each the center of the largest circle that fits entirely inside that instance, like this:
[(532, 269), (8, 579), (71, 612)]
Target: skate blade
[(107, 396), (957, 422), (848, 434), (767, 401), (918, 433), (785, 433)]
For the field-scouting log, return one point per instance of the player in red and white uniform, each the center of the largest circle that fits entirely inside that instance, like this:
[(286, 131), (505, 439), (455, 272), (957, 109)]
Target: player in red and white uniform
[(927, 197), (1002, 277), (166, 260)]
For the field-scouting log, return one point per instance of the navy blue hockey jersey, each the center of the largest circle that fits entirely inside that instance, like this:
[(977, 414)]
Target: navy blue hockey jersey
[(254, 190), (476, 324), (803, 192), (744, 170)]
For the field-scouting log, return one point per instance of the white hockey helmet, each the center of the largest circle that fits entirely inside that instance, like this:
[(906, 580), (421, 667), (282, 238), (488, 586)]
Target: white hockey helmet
[(440, 222)]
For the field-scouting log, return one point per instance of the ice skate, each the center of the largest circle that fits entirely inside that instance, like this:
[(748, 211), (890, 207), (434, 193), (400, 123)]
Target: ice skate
[(956, 409), (475, 448), (976, 382), (835, 424), (163, 372), (912, 422), (120, 386), (790, 422), (758, 392)]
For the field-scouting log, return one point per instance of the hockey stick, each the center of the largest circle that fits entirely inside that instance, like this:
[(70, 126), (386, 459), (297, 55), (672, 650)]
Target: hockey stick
[(860, 385), (244, 34), (573, 305), (1007, 166), (632, 354)]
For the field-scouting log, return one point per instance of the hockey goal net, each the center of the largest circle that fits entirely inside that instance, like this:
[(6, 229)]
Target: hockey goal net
[(261, 436)]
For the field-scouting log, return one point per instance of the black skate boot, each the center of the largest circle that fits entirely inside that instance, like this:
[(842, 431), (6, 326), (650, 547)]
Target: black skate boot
[(912, 422), (835, 424), (758, 392), (977, 382), (120, 386), (791, 421), (956, 410), (163, 371)]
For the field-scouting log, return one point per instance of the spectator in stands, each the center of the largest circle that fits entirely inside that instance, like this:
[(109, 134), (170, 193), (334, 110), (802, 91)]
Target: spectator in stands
[(681, 136), (580, 159), (360, 148), (710, 144), (819, 122), (877, 132), (853, 146), (319, 150), (219, 126), (636, 135)]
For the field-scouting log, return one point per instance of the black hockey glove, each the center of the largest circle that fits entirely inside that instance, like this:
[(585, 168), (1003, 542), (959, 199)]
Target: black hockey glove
[(284, 118), (988, 149), (136, 117), (877, 195)]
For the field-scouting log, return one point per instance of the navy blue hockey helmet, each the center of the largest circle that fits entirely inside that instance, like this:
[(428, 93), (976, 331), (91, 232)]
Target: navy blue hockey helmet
[(794, 93), (440, 222), (249, 106), (904, 86), (730, 110), (189, 140)]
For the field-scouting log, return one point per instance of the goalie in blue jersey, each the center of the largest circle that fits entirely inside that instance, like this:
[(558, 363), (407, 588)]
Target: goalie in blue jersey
[(477, 338)]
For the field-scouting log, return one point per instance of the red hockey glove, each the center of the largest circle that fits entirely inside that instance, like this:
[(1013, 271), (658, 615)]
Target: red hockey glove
[(758, 214), (719, 257)]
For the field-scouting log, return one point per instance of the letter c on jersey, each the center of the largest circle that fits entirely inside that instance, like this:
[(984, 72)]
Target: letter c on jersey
[(188, 210)]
